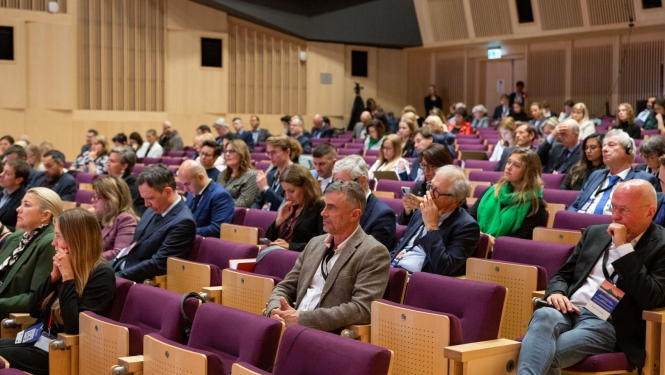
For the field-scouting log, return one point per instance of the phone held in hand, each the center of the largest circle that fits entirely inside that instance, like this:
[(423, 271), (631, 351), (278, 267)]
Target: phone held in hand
[(406, 190)]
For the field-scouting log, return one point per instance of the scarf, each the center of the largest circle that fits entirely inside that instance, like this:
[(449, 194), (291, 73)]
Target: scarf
[(497, 221), (25, 241)]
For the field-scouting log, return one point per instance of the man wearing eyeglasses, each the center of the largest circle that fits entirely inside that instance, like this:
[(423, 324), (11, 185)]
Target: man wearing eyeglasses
[(626, 256), (561, 150), (441, 235)]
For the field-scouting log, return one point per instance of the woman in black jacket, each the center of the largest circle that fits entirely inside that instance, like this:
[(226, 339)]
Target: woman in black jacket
[(299, 219), (80, 281)]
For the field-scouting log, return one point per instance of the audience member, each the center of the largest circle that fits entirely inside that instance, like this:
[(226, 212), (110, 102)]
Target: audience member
[(440, 133), (167, 228), (651, 150), (626, 121), (502, 110), (55, 177), (421, 139), (121, 162), (242, 134), (279, 149), (135, 141), (5, 142), (567, 111), (537, 118), (170, 140), (519, 96), (378, 219), (18, 153), (34, 158), (299, 219), (545, 109), (119, 140), (80, 281), (524, 136), (441, 235), (580, 114), (286, 123), (632, 248), (239, 178), (560, 156), (210, 204), (547, 128), (325, 157), (258, 134), (409, 111), (647, 118), (514, 205), (480, 119), (13, 180), (518, 113), (432, 100), (296, 127), (405, 130), (208, 156), (591, 161), (113, 207), (89, 135), (26, 258), (659, 109), (390, 157), (360, 129), (93, 161), (506, 137), (431, 159), (45, 146), (222, 128), (320, 129), (618, 155), (376, 135), (383, 119), (151, 148), (319, 295), (461, 126), (203, 129)]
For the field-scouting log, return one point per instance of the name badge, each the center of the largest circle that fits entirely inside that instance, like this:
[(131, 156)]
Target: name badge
[(605, 299), (44, 342), (586, 205), (29, 335)]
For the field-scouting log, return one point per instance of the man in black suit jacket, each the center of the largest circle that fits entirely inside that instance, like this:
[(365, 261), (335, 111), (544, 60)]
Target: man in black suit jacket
[(560, 156), (629, 253), (524, 136), (12, 179), (55, 177), (242, 134), (258, 134), (297, 130), (167, 228), (502, 110), (320, 129), (441, 235), (15, 152), (378, 219), (270, 198)]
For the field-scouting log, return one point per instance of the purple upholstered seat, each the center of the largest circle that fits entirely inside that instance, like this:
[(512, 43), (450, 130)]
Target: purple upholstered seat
[(122, 287), (396, 284), (355, 145), (260, 219), (137, 169), (276, 264), (318, 141), (479, 191), (339, 144), (262, 165), (217, 253), (83, 197), (399, 232), (149, 161), (554, 195), (87, 178), (471, 147), (394, 186), (485, 165), (469, 141), (175, 154), (650, 132), (482, 247), (467, 136), (605, 362), (172, 161), (576, 221), (239, 215), (370, 160), (10, 371), (350, 151), (548, 257), (394, 203), (476, 305), (552, 181), (261, 148), (357, 140), (372, 153), (194, 253), (333, 355), (491, 177), (259, 156)]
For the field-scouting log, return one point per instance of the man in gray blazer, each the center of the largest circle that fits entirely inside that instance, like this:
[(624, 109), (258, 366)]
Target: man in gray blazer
[(338, 275)]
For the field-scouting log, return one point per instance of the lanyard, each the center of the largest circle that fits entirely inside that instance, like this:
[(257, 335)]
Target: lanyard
[(330, 252), (50, 323), (609, 187), (606, 273)]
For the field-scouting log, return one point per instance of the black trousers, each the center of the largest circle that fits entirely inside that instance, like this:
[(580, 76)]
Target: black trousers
[(24, 357)]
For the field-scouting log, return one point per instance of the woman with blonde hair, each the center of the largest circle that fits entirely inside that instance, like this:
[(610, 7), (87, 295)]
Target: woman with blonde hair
[(390, 158), (239, 178), (93, 161), (626, 121), (114, 210), (435, 124), (514, 206), (580, 113), (34, 157), (80, 281), (26, 256), (507, 137), (405, 130), (299, 219)]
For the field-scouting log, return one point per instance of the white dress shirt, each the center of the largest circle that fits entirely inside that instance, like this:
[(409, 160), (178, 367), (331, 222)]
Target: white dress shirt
[(596, 196)]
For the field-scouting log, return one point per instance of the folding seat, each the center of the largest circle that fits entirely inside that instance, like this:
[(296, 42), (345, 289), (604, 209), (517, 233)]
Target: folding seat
[(83, 197), (554, 195), (638, 159), (394, 203), (86, 178), (372, 153), (263, 165), (470, 141), (394, 186), (576, 221), (262, 220), (357, 140), (479, 188), (648, 133), (472, 147), (491, 177), (172, 161), (259, 156), (261, 148), (338, 144), (485, 165), (554, 235), (350, 151), (384, 194), (220, 337), (552, 181), (399, 233), (150, 161), (308, 351), (552, 209), (239, 215), (318, 141), (137, 169), (370, 160), (466, 136), (175, 154)]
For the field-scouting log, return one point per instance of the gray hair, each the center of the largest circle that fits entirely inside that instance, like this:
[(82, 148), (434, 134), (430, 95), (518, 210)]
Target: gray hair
[(460, 188), (221, 122), (354, 164), (574, 125), (479, 108), (299, 118), (127, 156), (354, 196), (624, 139), (653, 146)]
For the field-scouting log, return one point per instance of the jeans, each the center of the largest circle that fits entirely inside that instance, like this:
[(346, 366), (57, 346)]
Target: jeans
[(555, 341)]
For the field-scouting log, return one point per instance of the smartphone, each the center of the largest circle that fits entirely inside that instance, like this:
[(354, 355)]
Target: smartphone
[(406, 190), (264, 241)]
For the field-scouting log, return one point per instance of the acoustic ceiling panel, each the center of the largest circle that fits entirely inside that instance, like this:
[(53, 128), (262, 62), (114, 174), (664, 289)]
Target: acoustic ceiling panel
[(560, 14), (607, 12), (447, 19), (491, 17)]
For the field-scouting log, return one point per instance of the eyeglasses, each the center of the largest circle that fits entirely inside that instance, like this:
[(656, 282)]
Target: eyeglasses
[(435, 192), (623, 209), (272, 153), (427, 166), (95, 197), (387, 148), (204, 154), (647, 157), (232, 151)]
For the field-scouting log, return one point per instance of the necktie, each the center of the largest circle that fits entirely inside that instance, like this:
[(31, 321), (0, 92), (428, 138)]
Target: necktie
[(197, 199), (600, 208)]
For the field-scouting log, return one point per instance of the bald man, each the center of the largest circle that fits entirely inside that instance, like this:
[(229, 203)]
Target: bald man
[(360, 129), (170, 140), (320, 129), (629, 254), (211, 204)]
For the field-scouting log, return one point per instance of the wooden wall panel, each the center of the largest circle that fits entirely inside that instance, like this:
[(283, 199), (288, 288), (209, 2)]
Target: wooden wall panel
[(560, 14), (391, 81), (188, 15), (419, 78), (546, 77), (447, 19), (38, 5), (592, 77), (325, 98), (491, 17), (641, 68), (369, 83), (449, 80), (606, 12)]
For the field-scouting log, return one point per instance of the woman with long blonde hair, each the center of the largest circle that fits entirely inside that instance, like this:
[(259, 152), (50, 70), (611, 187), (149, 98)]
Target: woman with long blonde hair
[(80, 281), (390, 157)]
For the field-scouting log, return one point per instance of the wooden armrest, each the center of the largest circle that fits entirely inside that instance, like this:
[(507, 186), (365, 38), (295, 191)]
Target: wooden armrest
[(656, 316), (213, 293), (131, 364), (158, 281), (15, 323), (479, 350), (493, 357), (238, 369), (538, 294), (22, 318), (69, 340), (358, 332)]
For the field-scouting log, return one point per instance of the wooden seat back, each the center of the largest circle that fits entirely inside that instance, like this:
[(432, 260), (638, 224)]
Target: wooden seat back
[(245, 291)]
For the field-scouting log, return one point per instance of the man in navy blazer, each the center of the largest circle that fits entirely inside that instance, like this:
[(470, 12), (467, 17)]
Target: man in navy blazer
[(320, 129), (560, 156), (167, 228), (242, 134), (524, 136), (441, 235), (16, 152), (502, 110), (378, 219), (618, 155), (297, 130), (211, 204), (422, 138), (55, 177), (12, 182), (271, 198)]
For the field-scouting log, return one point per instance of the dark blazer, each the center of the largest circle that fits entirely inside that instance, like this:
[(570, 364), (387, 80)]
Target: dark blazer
[(512, 97), (247, 138), (641, 277), (413, 172), (498, 112), (8, 211), (519, 116), (65, 186), (308, 225), (501, 166), (408, 148), (378, 220), (431, 104), (634, 131), (137, 200), (273, 197), (263, 135), (553, 157), (34, 175), (539, 219), (418, 190), (579, 184), (32, 267), (214, 208), (446, 251), (446, 139), (173, 237), (596, 179), (306, 142), (325, 132)]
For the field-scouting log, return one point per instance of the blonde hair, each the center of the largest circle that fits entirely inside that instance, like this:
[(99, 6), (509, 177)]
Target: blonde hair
[(38, 155), (284, 143), (49, 201), (118, 198), (581, 107), (102, 140), (531, 182), (396, 141), (630, 113), (436, 123)]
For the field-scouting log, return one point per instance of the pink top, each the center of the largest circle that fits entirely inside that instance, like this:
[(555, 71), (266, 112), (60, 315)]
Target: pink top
[(119, 235)]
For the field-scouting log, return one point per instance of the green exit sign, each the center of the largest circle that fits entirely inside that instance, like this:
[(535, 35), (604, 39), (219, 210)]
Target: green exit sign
[(494, 53)]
